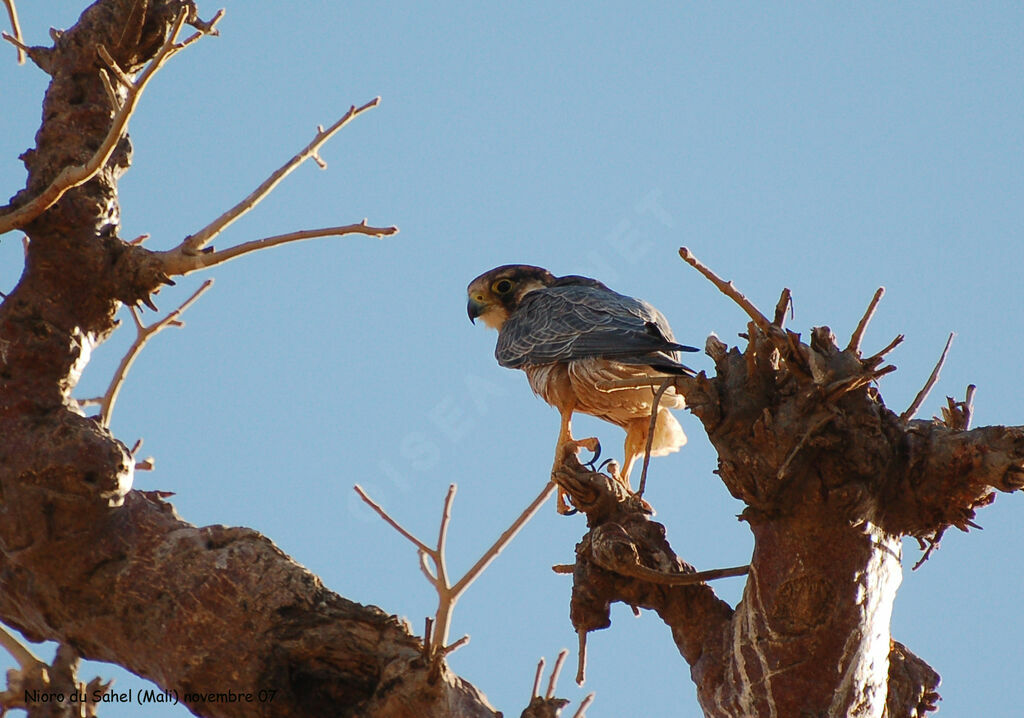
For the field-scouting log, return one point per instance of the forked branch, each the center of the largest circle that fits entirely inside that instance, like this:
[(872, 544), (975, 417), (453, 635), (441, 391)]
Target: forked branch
[(143, 335), (76, 175), (436, 638), (179, 260), (193, 254)]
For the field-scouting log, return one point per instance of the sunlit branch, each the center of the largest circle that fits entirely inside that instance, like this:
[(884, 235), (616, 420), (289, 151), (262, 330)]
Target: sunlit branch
[(176, 262), (73, 176), (200, 239), (16, 39), (143, 335), (448, 594)]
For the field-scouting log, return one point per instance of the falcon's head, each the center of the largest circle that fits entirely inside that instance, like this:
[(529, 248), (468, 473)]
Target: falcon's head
[(494, 295)]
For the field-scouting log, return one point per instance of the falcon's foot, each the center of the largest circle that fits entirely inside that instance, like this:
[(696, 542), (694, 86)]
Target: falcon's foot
[(592, 445), (570, 448)]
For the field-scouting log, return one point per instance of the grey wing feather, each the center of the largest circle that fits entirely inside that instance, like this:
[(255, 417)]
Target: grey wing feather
[(564, 323)]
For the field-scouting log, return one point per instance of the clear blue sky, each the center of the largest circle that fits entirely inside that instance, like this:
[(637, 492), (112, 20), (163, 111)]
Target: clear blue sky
[(829, 149)]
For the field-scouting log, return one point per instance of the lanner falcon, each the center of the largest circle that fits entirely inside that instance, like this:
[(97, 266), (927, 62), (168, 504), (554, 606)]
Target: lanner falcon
[(570, 334)]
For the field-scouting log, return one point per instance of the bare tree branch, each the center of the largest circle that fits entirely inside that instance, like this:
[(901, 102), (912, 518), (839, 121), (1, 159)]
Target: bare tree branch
[(862, 325), (16, 40), (637, 570), (555, 672), (76, 175), (502, 541), (394, 524), (447, 594), (650, 433), (926, 389), (195, 242), (785, 304), (143, 335), (729, 289), (877, 356), (176, 262), (581, 712), (581, 656), (536, 678)]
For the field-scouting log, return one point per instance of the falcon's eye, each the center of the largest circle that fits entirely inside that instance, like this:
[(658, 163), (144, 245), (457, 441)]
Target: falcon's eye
[(502, 286)]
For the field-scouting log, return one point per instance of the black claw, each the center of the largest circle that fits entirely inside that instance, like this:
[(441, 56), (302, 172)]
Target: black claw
[(149, 303)]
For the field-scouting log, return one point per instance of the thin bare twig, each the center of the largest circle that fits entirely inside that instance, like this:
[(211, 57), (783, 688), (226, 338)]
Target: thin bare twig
[(845, 385), (506, 536), (143, 335), (862, 325), (650, 435), (123, 77), (932, 543), (147, 464), (968, 406), (555, 672), (428, 629), (581, 712), (425, 568), (581, 656), (876, 358), (176, 262), (200, 239), (455, 646), (781, 474), (729, 290), (394, 524), (926, 389), (12, 13), (644, 573), (536, 679), (76, 175), (785, 304)]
